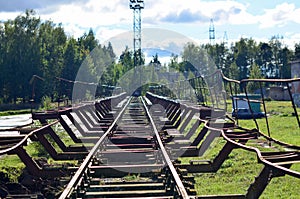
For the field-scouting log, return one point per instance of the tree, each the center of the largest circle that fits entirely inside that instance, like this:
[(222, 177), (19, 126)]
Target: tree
[(88, 41), (197, 58), (71, 64), (219, 53), (155, 62), (126, 59), (234, 71), (244, 55), (265, 59), (255, 73), (285, 66), (174, 63), (21, 55), (52, 41), (110, 51), (297, 51)]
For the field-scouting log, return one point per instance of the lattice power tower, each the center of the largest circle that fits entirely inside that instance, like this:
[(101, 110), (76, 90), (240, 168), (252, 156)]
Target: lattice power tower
[(212, 32), (137, 6)]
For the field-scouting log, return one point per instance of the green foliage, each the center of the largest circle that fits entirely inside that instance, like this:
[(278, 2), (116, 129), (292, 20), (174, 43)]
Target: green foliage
[(255, 73), (233, 71), (272, 58), (46, 103), (236, 62), (29, 46), (15, 112), (10, 168), (297, 51), (196, 58), (126, 60)]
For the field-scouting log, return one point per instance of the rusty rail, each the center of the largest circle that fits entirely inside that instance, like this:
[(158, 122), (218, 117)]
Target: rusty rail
[(26, 137), (180, 186), (276, 163), (84, 166)]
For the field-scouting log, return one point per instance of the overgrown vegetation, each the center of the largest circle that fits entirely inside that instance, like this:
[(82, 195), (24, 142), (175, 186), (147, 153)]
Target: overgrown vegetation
[(240, 169), (31, 48), (234, 176), (11, 167)]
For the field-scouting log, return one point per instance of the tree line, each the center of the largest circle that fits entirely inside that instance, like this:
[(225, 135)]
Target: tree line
[(247, 58), (34, 53), (36, 56)]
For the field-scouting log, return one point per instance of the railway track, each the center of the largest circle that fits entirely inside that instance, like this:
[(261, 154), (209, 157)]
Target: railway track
[(129, 147), (129, 160)]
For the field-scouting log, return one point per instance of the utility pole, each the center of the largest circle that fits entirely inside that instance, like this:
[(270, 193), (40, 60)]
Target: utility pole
[(136, 6), (212, 32), (225, 39)]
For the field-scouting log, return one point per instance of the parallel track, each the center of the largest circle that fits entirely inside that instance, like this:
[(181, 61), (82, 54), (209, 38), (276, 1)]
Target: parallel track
[(137, 144), (120, 152)]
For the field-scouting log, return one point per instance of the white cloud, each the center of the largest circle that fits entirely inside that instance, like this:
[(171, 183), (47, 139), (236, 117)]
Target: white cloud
[(279, 16), (203, 11), (73, 30), (291, 39), (4, 16), (105, 34), (110, 18), (91, 14), (104, 18), (243, 18)]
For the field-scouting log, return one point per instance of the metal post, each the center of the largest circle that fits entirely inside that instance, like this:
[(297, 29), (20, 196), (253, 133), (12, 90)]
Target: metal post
[(265, 110), (250, 108), (137, 5), (293, 103)]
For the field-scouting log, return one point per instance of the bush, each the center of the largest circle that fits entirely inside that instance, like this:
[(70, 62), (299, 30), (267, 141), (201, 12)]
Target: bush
[(46, 103)]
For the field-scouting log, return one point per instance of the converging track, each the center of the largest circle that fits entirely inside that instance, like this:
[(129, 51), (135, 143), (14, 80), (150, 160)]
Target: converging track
[(130, 146), (141, 147)]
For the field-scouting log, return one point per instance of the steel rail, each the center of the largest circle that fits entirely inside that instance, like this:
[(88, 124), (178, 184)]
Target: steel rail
[(271, 80), (5, 151), (181, 189), (85, 165), (261, 158), (257, 151)]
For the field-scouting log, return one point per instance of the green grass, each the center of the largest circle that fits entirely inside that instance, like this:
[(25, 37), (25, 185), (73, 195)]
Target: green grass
[(282, 124), (14, 112), (234, 176), (237, 172), (12, 167), (240, 169)]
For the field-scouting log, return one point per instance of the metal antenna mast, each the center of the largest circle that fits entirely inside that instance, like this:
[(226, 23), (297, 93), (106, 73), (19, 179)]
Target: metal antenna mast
[(225, 39), (137, 5), (211, 32)]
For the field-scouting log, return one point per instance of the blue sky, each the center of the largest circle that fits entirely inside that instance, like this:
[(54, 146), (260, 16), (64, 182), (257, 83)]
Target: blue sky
[(259, 19)]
